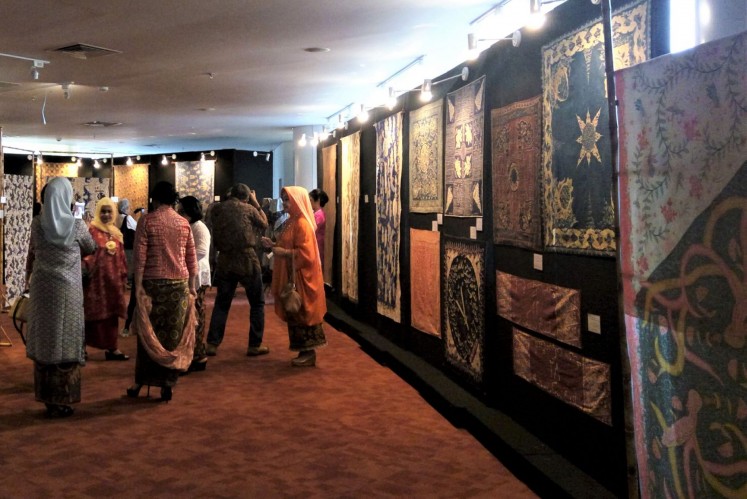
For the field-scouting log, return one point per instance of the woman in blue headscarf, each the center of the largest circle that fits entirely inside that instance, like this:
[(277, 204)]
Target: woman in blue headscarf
[(55, 339)]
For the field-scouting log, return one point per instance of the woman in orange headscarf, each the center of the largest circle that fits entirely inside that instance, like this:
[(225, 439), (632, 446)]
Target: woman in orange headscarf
[(296, 247), (104, 288)]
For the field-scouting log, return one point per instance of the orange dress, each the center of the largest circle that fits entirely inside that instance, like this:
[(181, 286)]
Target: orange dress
[(299, 235)]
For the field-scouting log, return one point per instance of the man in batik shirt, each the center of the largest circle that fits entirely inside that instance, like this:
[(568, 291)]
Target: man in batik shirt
[(235, 224)]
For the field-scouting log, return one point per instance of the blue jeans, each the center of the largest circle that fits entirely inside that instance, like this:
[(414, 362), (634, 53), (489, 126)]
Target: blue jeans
[(226, 283)]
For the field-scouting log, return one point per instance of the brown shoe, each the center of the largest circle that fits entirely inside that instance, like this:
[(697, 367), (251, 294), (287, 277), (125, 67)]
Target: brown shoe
[(255, 351), (305, 359)]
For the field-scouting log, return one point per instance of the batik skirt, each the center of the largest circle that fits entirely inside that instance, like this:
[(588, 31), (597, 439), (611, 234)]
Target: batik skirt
[(57, 384), (304, 337), (170, 300)]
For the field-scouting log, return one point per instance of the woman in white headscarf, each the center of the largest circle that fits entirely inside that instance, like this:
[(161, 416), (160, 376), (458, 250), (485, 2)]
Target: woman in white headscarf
[(55, 340)]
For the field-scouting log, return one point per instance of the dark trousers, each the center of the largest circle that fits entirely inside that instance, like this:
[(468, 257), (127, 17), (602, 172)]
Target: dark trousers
[(226, 283)]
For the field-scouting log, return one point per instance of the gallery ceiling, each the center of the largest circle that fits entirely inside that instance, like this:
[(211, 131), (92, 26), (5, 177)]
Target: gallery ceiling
[(191, 75)]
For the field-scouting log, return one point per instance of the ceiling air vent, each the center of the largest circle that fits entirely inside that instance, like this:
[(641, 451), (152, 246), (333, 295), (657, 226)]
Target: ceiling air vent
[(84, 51), (102, 124)]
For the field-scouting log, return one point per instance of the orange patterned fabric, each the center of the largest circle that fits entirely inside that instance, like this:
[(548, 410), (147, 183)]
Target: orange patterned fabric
[(131, 182), (425, 280)]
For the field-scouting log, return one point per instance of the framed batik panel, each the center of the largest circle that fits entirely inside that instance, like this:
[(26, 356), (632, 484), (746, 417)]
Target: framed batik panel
[(544, 308), (388, 213), (349, 204), (196, 178), (19, 195), (426, 158), (578, 209), (88, 190), (45, 171), (329, 185), (425, 281), (516, 140), (683, 227), (465, 140), (463, 278), (576, 380), (131, 183)]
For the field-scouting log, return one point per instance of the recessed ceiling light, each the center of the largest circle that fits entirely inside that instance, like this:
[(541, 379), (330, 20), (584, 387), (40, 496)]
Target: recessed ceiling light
[(316, 49), (206, 109)]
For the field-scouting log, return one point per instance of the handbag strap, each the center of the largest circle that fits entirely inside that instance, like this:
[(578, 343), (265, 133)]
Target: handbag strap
[(292, 277)]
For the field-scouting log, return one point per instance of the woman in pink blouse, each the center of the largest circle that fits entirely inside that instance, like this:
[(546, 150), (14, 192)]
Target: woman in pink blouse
[(165, 275), (319, 198)]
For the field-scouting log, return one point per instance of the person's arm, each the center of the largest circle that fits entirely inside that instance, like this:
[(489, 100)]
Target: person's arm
[(259, 219), (190, 258), (30, 258), (84, 239), (140, 253)]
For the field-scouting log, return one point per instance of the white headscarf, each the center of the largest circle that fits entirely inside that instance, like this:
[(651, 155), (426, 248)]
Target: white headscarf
[(57, 221)]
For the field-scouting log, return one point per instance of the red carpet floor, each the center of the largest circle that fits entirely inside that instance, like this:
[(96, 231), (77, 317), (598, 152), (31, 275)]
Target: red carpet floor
[(245, 427)]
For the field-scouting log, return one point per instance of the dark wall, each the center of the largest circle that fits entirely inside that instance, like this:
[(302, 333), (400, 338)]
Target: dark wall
[(513, 74), (232, 166)]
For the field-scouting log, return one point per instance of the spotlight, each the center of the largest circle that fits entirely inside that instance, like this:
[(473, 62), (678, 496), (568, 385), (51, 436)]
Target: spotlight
[(212, 153), (202, 156), (67, 90), (73, 159), (255, 154), (363, 114), (129, 161), (302, 140), (96, 164), (267, 158), (34, 73), (173, 156), (164, 161), (425, 90), (137, 158)]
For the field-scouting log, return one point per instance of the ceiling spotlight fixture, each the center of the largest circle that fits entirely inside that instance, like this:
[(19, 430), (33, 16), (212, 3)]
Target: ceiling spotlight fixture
[(137, 158), (212, 153), (39, 160), (73, 159), (202, 156), (34, 73), (255, 154), (596, 2), (314, 140), (302, 140), (173, 156), (536, 17), (105, 160), (164, 161), (472, 42), (67, 89), (391, 101), (425, 90), (267, 158), (340, 122), (129, 161), (79, 163), (363, 114), (96, 164)]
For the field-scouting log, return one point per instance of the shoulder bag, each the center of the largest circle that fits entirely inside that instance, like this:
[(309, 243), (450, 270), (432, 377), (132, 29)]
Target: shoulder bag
[(289, 296)]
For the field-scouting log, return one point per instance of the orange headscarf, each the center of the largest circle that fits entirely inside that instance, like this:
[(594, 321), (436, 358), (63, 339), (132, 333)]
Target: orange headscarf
[(300, 206)]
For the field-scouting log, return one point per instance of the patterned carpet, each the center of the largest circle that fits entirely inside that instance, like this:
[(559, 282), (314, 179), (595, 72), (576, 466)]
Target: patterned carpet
[(245, 427)]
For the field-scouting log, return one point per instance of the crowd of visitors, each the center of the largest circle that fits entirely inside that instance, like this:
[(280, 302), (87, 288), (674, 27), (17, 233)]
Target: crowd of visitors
[(81, 273)]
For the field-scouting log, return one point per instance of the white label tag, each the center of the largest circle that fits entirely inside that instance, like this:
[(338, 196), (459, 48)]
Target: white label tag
[(478, 224), (440, 218), (594, 323), (538, 262), (472, 233)]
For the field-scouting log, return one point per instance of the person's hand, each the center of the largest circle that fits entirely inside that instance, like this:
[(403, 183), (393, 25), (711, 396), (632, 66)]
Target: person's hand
[(267, 242), (193, 292), (253, 199)]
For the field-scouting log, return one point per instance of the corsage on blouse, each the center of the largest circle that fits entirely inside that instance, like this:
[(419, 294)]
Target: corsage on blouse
[(111, 247)]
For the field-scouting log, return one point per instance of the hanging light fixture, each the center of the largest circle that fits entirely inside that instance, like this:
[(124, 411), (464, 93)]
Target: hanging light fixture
[(425, 90), (267, 158), (164, 161), (96, 164), (363, 114), (129, 161), (302, 140)]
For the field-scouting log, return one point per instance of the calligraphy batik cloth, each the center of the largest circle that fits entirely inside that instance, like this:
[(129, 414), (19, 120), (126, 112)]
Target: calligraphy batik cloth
[(19, 190), (388, 212), (576, 380), (516, 140), (131, 183), (329, 185), (577, 173), (426, 158), (196, 178), (46, 171), (551, 310), (425, 281), (465, 141), (463, 281), (88, 190), (350, 192), (683, 226)]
